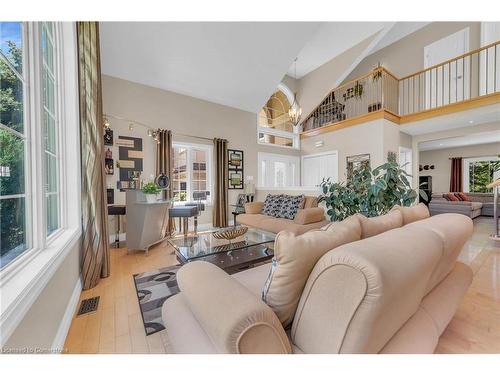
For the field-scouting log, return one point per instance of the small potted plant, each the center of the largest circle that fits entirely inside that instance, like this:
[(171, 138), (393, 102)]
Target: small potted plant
[(151, 191)]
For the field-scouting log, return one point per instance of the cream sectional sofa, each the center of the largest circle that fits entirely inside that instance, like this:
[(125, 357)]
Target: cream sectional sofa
[(382, 285), (309, 217)]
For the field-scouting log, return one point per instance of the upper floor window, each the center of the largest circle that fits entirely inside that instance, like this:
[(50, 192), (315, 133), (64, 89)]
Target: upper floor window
[(28, 123), (479, 172), (274, 127), (191, 176)]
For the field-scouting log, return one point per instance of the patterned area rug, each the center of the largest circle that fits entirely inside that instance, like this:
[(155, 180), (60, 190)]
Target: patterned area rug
[(153, 288)]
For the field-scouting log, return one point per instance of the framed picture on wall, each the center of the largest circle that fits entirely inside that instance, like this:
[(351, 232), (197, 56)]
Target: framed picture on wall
[(235, 158), (108, 137), (235, 179), (355, 161), (235, 167)]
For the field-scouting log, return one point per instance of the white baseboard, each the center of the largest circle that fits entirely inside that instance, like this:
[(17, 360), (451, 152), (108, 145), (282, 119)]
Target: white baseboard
[(62, 331)]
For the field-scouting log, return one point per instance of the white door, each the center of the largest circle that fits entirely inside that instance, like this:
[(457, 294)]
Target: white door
[(490, 33), (318, 166), (448, 83)]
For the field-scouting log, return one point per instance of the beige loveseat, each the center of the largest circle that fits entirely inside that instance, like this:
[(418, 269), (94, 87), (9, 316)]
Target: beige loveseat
[(309, 217), (392, 287)]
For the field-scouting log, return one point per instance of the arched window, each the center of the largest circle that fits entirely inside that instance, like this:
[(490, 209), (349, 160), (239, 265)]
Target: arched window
[(273, 125)]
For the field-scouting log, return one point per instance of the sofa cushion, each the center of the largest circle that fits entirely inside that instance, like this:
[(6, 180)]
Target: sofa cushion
[(371, 226), (290, 205), (272, 205), (295, 257), (309, 215), (310, 202), (413, 213)]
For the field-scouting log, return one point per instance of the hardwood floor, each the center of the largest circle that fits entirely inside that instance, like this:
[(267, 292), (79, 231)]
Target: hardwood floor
[(117, 325)]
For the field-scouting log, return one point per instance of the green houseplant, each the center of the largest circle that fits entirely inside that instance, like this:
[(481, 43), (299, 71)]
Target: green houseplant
[(151, 191), (369, 192)]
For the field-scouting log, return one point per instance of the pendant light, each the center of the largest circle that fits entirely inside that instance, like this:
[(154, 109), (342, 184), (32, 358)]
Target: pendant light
[(295, 112)]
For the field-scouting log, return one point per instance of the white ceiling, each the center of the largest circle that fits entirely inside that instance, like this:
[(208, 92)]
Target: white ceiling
[(238, 64), (235, 64), (462, 119), (469, 140), (334, 38)]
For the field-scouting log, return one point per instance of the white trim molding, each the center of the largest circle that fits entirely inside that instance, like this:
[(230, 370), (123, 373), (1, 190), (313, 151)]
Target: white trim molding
[(23, 280), (62, 332)]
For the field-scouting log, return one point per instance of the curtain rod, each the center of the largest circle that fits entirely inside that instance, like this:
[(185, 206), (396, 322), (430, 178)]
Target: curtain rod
[(149, 127)]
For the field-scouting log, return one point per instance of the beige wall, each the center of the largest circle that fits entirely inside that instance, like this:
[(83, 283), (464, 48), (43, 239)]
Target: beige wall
[(314, 86), (39, 327), (375, 138), (183, 115), (406, 56), (441, 160)]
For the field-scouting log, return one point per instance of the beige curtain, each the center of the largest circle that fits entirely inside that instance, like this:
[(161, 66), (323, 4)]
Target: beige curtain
[(221, 183), (95, 250), (164, 164)]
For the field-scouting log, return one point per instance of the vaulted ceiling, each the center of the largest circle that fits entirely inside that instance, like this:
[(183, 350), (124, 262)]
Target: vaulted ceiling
[(238, 64)]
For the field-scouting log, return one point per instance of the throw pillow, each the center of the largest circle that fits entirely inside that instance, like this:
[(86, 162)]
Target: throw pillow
[(272, 205), (290, 205), (451, 197), (294, 259), (463, 197)]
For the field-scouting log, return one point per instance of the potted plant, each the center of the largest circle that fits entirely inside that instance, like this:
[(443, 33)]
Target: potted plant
[(151, 191), (369, 192)]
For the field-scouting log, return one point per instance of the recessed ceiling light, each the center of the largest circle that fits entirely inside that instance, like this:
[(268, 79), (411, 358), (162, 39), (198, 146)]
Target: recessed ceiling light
[(440, 144), (471, 121)]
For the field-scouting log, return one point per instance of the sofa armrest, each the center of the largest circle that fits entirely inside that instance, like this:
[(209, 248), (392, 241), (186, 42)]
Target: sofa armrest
[(236, 320), (254, 207), (309, 215)]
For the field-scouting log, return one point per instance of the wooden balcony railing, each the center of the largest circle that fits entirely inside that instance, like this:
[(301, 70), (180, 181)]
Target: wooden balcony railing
[(461, 79)]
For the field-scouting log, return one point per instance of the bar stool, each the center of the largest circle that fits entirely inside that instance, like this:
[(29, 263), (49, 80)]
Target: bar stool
[(117, 211), (184, 213)]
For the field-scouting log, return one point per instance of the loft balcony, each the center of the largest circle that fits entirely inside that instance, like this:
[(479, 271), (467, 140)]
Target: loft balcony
[(464, 82)]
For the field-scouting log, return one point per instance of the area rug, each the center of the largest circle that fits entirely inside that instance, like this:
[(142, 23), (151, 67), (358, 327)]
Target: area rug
[(153, 288)]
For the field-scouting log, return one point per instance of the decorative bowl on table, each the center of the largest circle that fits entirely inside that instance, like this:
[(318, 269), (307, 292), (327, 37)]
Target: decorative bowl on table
[(230, 233)]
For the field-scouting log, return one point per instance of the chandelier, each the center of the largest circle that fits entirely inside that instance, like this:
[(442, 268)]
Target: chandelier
[(295, 112)]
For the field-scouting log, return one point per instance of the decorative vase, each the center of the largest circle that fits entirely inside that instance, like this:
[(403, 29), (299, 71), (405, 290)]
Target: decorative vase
[(151, 198)]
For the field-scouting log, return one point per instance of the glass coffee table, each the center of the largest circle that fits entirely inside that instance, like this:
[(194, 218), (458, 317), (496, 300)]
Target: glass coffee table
[(255, 246)]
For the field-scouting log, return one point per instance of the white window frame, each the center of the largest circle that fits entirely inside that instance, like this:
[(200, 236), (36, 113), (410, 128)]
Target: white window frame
[(465, 169), (189, 169), (23, 279), (277, 158)]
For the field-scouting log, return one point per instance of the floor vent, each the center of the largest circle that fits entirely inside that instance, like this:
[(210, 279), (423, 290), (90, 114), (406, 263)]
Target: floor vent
[(88, 305)]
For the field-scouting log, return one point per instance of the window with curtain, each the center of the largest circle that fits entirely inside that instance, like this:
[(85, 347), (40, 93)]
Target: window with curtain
[(28, 123), (191, 174)]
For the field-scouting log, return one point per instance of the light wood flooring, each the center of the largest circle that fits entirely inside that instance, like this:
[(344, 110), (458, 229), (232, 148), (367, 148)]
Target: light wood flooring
[(117, 325)]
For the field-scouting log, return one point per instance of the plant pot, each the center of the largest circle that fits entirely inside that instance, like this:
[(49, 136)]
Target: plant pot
[(151, 198)]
